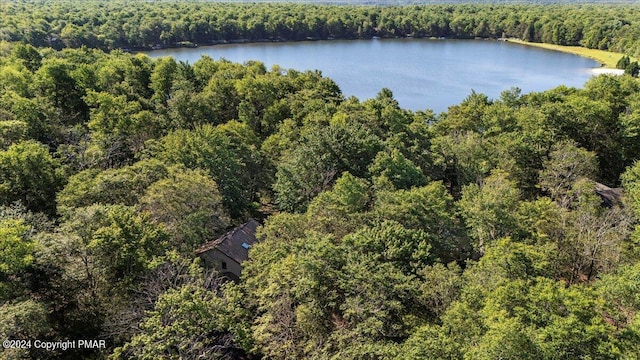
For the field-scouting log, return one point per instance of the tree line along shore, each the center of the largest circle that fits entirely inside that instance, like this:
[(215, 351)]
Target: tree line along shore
[(118, 25)]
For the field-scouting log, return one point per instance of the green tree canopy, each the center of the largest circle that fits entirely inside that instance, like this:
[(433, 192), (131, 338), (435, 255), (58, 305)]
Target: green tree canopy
[(28, 173), (189, 206)]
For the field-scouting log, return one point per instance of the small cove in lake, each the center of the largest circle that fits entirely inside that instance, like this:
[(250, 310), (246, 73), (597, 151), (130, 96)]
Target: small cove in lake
[(422, 73)]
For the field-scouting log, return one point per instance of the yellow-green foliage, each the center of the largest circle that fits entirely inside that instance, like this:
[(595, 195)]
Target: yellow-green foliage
[(608, 59)]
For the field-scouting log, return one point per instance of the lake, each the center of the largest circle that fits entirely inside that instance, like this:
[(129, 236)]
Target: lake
[(422, 73)]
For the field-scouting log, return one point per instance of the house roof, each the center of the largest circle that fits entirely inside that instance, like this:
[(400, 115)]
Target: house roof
[(235, 243), (610, 196)]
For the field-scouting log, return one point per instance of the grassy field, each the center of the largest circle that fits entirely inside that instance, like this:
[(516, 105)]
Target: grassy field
[(606, 58)]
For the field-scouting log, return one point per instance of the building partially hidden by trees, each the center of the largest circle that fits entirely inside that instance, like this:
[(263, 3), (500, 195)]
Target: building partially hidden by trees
[(227, 253)]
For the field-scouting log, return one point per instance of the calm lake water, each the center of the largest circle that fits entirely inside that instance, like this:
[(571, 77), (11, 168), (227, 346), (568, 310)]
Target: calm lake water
[(422, 73)]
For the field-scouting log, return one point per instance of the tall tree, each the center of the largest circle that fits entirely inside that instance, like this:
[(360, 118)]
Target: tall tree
[(28, 173), (210, 149), (489, 210), (189, 206)]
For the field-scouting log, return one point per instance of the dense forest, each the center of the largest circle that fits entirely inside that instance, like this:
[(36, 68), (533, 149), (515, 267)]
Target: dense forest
[(479, 233), (117, 24)]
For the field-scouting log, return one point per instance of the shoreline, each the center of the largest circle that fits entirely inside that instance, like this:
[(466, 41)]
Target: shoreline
[(606, 59)]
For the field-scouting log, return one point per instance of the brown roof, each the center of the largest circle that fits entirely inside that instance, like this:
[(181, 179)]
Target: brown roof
[(235, 244), (610, 196)]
